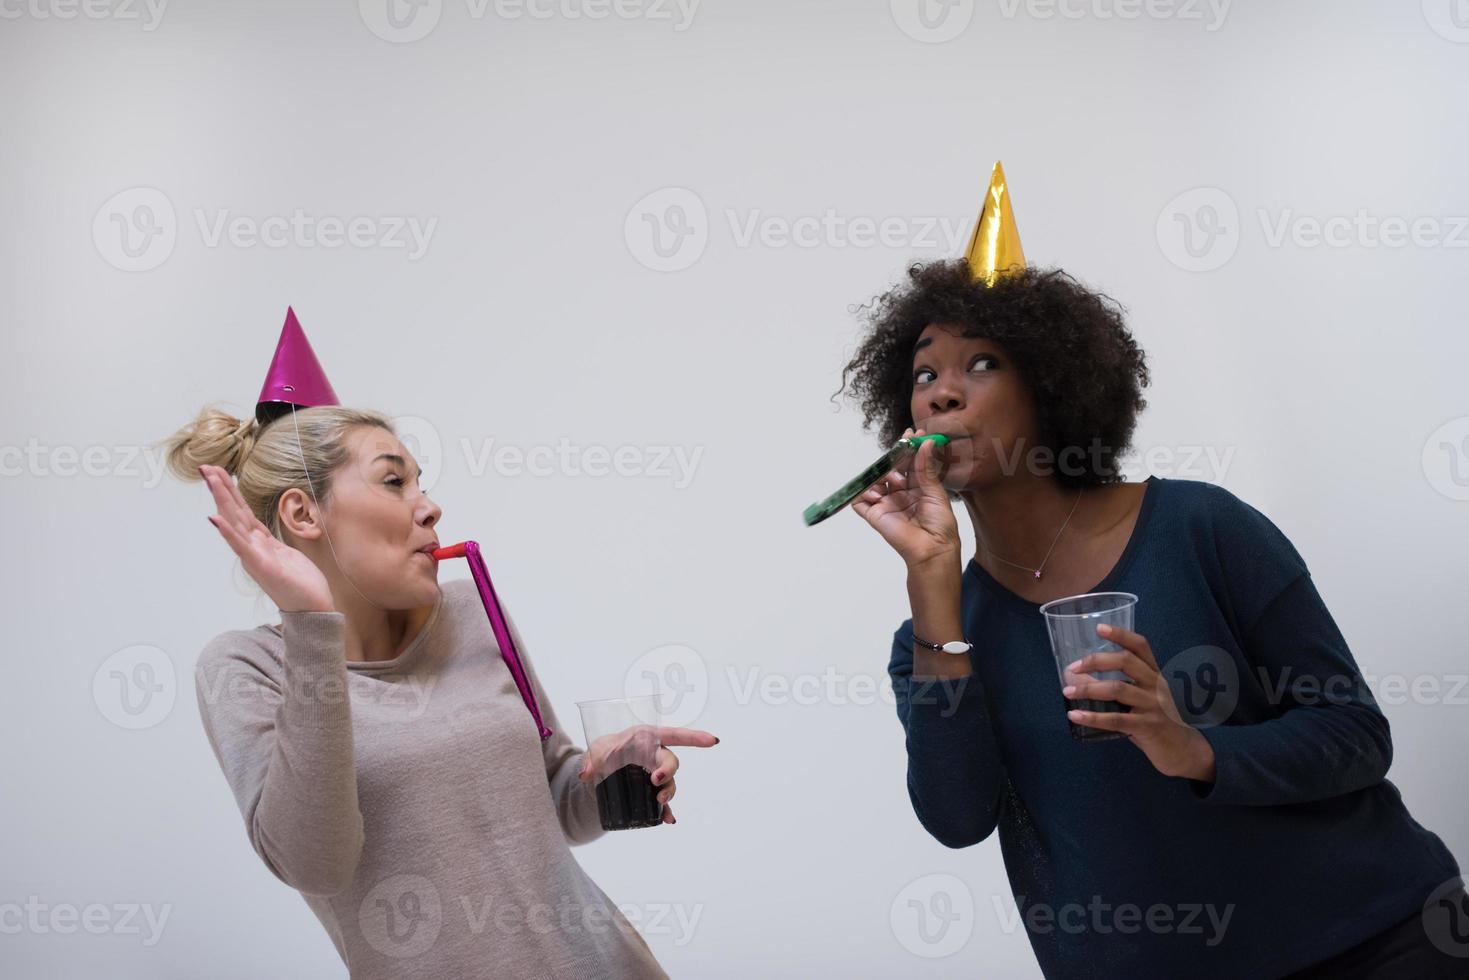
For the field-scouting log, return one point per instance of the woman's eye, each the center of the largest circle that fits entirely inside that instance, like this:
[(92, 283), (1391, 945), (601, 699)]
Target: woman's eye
[(988, 362), (396, 481), (923, 377)]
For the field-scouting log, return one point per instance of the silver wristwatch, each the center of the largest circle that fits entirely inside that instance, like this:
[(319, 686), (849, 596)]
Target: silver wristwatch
[(953, 646)]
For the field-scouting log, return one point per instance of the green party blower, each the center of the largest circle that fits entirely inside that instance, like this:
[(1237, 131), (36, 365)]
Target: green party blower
[(903, 450)]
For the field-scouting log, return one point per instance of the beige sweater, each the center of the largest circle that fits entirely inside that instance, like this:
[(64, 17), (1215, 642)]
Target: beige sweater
[(411, 802)]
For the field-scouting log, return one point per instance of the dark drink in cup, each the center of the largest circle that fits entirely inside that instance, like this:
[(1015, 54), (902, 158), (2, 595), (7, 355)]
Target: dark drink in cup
[(1086, 733), (627, 799), (623, 745), (1072, 623)]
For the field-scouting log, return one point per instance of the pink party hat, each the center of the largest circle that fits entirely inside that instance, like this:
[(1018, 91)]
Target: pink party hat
[(295, 376)]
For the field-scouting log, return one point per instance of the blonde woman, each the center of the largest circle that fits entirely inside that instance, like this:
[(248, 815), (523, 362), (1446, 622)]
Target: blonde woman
[(377, 745)]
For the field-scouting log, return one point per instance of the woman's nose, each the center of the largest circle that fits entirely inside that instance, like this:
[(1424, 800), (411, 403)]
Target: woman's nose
[(945, 398)]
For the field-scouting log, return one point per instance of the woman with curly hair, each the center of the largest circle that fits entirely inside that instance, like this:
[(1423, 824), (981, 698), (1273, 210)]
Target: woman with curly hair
[(1257, 840)]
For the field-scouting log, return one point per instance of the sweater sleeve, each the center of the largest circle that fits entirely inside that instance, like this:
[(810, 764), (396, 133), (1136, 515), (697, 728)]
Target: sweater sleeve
[(1329, 736), (1319, 732), (955, 771), (285, 746), (575, 801)]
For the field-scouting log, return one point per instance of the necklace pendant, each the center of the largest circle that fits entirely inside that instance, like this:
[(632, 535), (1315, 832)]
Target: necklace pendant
[(1037, 573)]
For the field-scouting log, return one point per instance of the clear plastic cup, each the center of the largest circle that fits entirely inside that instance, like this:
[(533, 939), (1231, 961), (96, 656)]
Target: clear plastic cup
[(623, 737), (1072, 623)]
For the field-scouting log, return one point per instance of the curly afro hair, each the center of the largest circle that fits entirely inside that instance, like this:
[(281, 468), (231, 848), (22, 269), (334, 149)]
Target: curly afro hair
[(1069, 344)]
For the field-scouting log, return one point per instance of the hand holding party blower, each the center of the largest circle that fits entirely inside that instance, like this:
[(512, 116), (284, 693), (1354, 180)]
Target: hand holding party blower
[(469, 550), (903, 450)]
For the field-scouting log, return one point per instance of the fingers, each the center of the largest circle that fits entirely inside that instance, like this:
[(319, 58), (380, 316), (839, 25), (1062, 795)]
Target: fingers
[(1130, 640), (668, 816), (925, 466), (666, 793), (687, 736), (1113, 721), (1119, 691), (227, 499), (1122, 660), (666, 767)]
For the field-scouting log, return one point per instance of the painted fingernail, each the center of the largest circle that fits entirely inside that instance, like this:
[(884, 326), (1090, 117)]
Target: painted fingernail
[(716, 740), (1103, 628), (657, 778)]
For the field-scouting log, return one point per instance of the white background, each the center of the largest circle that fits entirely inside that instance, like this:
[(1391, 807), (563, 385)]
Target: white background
[(1321, 372)]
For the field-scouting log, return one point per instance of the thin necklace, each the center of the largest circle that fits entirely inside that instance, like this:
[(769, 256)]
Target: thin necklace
[(1037, 571)]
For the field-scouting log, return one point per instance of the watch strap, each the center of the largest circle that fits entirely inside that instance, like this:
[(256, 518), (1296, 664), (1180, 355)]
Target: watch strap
[(953, 646)]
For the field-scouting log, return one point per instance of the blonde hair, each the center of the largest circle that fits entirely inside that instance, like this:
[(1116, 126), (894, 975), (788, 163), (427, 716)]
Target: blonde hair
[(265, 459)]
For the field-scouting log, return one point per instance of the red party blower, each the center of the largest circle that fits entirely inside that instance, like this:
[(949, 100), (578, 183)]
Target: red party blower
[(469, 550)]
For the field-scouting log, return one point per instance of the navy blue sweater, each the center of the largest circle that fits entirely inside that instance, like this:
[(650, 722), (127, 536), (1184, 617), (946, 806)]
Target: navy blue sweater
[(1299, 849)]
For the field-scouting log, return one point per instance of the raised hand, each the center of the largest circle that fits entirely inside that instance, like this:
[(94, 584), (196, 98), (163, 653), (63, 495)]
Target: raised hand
[(291, 580), (911, 510)]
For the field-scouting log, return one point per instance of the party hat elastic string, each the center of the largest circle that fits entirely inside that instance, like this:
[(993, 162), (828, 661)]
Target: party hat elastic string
[(311, 485)]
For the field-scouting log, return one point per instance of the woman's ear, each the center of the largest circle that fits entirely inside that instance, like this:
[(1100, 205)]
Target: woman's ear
[(297, 516)]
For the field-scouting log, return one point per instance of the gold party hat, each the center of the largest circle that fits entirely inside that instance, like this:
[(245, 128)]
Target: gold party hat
[(994, 248)]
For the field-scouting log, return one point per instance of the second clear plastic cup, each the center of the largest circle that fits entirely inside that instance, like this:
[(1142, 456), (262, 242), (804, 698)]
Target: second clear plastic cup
[(1072, 623), (623, 737)]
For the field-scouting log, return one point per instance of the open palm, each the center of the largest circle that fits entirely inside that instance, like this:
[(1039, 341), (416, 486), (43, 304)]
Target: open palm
[(291, 580)]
